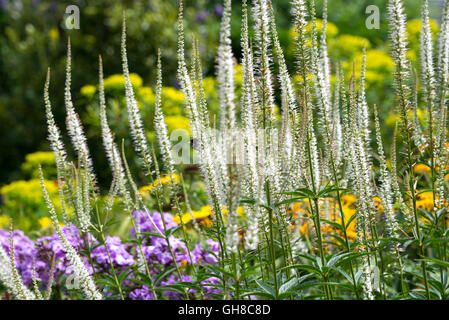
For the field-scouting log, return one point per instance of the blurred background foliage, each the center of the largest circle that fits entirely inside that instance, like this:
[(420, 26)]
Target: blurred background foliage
[(32, 38)]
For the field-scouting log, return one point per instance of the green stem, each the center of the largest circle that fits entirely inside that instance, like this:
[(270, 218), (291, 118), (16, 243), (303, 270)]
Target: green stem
[(272, 250)]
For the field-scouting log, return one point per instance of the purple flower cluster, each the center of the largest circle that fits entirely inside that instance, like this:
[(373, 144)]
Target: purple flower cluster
[(42, 252), (24, 251), (155, 249), (145, 293), (158, 255), (50, 246), (120, 256)]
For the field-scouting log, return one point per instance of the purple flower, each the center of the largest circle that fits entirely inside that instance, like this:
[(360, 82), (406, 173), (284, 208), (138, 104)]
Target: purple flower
[(210, 285), (208, 254), (152, 222), (173, 279), (143, 293), (155, 249), (201, 16), (24, 251), (218, 10), (119, 255), (52, 245)]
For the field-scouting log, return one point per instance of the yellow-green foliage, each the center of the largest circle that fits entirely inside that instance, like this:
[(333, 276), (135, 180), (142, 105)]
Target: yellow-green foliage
[(173, 101), (379, 66), (23, 202), (32, 161), (347, 46), (414, 29)]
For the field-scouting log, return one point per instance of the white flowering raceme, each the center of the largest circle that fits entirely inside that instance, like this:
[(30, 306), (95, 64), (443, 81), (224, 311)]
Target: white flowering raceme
[(443, 75), (112, 151), (135, 120), (362, 109), (159, 123), (225, 72), (74, 125), (398, 39), (262, 37), (79, 269), (426, 55), (386, 179), (251, 183), (10, 278), (57, 146)]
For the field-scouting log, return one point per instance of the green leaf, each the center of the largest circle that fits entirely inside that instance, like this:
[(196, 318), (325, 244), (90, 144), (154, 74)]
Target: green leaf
[(337, 257), (304, 267), (218, 271), (351, 218), (324, 192), (288, 201), (258, 294), (306, 191), (344, 273), (266, 288), (436, 261), (289, 285), (332, 223), (124, 274), (248, 201), (153, 234), (353, 256), (163, 274)]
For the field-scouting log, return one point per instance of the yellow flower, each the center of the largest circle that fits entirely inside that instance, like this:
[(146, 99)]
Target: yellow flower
[(331, 30), (411, 55), (204, 213), (304, 228), (421, 168), (174, 178), (350, 45), (238, 74), (88, 90), (348, 202), (118, 81), (4, 221), (44, 222), (379, 65), (424, 200), (33, 160), (53, 34), (173, 101), (177, 122), (348, 199), (414, 28), (146, 93), (186, 218), (378, 204), (27, 195)]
